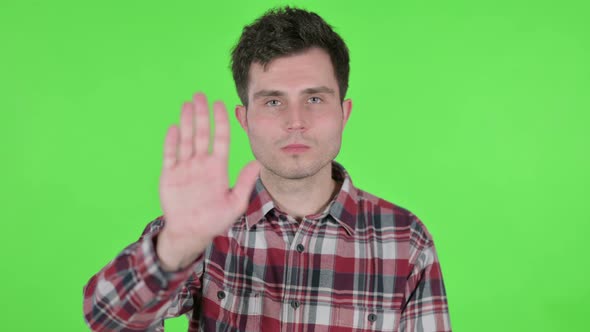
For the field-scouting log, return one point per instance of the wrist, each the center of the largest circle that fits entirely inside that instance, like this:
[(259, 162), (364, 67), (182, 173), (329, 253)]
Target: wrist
[(175, 254)]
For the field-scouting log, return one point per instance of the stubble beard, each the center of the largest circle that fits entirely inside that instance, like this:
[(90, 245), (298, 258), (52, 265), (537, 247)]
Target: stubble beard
[(295, 167)]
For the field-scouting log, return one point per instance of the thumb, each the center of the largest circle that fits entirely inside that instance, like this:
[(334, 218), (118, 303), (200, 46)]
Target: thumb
[(244, 185)]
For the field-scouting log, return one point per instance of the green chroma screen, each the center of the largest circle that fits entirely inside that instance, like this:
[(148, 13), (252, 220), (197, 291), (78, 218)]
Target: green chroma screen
[(471, 114)]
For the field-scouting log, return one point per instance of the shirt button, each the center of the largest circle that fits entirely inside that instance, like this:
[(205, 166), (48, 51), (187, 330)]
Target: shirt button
[(221, 295), (295, 304), (372, 317), (300, 247), (283, 217)]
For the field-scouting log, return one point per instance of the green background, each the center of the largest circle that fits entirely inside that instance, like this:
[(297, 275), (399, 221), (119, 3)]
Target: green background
[(471, 114)]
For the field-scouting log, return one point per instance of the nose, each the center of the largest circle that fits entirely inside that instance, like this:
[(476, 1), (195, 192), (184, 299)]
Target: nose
[(296, 118)]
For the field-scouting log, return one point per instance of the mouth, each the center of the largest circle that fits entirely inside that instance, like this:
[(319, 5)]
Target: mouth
[(295, 148)]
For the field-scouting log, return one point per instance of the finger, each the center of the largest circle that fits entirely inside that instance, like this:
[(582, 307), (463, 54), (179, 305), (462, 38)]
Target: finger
[(221, 140), (244, 185), (185, 149), (170, 145), (202, 131)]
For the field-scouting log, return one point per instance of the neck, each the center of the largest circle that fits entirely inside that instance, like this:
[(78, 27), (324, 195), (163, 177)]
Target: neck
[(301, 197)]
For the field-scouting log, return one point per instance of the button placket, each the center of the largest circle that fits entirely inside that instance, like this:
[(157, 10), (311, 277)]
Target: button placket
[(294, 258), (299, 238)]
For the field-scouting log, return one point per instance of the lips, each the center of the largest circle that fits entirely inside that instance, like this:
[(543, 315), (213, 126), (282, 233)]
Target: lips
[(295, 148)]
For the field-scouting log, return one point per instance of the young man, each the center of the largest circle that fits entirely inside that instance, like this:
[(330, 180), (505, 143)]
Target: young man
[(294, 246)]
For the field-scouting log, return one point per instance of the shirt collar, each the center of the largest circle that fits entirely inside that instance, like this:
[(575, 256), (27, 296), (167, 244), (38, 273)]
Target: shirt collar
[(343, 207)]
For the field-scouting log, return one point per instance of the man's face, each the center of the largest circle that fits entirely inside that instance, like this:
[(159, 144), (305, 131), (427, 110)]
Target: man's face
[(295, 101)]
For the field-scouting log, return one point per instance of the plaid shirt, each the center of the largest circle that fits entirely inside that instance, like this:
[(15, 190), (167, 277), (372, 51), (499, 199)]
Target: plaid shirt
[(363, 264)]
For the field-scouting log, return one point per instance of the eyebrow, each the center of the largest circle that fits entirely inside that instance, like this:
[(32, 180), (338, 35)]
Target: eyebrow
[(278, 93)]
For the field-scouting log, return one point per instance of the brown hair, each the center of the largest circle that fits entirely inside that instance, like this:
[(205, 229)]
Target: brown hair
[(286, 31)]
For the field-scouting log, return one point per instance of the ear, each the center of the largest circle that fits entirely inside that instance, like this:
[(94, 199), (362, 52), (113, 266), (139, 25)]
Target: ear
[(346, 110), (241, 116)]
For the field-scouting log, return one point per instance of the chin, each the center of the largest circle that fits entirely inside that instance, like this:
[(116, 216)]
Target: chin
[(297, 174), (294, 170)]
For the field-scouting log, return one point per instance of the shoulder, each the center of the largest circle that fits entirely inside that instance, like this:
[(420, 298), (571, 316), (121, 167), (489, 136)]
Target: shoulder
[(386, 216)]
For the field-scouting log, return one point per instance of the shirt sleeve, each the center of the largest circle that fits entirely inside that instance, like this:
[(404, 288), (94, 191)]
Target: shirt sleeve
[(134, 293), (425, 308)]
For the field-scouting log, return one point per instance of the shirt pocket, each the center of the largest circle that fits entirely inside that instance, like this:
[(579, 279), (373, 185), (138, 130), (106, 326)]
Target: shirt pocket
[(366, 318), (229, 309)]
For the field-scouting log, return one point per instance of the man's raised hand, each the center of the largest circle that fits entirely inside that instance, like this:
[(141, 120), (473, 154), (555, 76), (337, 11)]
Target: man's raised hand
[(194, 187)]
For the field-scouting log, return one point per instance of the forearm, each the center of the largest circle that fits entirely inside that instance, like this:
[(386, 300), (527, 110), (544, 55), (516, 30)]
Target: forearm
[(134, 292)]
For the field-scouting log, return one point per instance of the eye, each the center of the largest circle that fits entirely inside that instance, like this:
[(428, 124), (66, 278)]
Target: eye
[(273, 102), (315, 100)]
